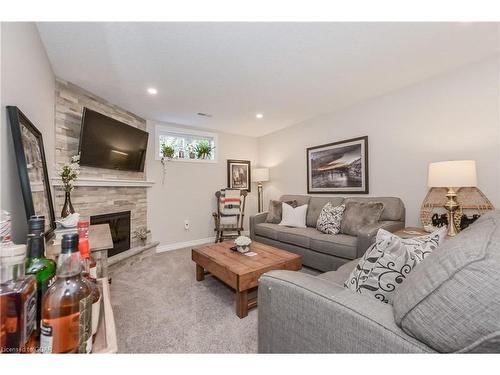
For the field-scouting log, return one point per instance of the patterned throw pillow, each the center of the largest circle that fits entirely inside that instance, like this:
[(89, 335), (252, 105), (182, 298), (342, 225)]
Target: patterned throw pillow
[(275, 211), (387, 263), (330, 218)]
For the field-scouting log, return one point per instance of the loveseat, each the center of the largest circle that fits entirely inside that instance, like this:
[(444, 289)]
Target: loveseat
[(326, 252), (450, 303)]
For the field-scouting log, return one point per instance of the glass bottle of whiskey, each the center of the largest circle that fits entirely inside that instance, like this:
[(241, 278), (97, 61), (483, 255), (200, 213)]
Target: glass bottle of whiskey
[(37, 265), (17, 302), (67, 305)]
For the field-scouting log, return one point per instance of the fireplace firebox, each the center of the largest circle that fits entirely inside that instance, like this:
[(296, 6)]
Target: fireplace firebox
[(119, 224)]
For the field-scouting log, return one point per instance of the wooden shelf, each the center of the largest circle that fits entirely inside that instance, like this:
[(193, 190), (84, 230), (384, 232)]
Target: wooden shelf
[(105, 338)]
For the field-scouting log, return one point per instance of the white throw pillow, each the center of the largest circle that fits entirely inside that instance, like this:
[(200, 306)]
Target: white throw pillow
[(387, 263), (293, 217)]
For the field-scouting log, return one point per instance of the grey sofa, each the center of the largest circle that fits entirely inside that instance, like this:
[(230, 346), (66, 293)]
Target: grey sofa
[(326, 252), (450, 303)]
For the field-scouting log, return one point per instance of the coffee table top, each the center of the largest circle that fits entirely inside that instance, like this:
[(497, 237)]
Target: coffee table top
[(268, 257)]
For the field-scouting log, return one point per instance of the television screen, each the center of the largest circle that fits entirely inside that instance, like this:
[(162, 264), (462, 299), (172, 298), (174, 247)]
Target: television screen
[(108, 143)]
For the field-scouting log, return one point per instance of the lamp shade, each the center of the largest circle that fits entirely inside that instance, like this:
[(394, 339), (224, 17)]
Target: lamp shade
[(260, 175), (455, 173)]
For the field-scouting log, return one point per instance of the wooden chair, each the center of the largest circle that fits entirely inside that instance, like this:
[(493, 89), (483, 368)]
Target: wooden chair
[(222, 229)]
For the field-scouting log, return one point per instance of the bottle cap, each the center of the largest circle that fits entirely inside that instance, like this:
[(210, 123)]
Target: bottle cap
[(36, 224), (83, 224), (69, 243)]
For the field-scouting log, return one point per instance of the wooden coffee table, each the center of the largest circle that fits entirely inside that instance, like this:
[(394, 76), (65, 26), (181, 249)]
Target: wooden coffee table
[(239, 271)]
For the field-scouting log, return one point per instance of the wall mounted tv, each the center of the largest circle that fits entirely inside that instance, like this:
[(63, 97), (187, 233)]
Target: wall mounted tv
[(108, 143)]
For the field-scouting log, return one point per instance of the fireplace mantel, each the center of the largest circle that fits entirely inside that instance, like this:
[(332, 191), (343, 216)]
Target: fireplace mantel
[(87, 181)]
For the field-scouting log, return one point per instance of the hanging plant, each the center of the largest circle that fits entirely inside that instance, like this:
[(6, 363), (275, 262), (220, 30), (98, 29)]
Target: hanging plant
[(203, 150), (167, 153)]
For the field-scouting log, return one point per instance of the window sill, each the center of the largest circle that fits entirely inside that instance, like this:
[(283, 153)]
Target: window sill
[(214, 161)]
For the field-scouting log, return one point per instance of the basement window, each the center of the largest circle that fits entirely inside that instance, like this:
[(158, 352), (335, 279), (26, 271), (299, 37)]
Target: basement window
[(187, 144)]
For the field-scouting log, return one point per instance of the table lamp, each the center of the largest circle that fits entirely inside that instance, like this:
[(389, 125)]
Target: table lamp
[(260, 175), (452, 175)]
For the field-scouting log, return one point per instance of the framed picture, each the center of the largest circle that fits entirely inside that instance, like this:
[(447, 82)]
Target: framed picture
[(339, 167), (238, 174), (32, 167)]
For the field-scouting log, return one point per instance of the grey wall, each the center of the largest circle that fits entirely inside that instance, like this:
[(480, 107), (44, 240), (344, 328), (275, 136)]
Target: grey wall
[(189, 188), (27, 82), (452, 116)]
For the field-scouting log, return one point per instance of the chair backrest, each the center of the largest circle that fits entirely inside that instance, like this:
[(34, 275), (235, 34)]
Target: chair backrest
[(241, 214)]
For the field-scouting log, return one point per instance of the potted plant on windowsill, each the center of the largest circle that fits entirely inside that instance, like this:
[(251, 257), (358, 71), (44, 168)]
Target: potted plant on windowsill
[(204, 150), (167, 153)]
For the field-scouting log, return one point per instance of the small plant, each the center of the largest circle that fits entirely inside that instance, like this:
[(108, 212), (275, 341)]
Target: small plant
[(167, 151), (203, 150), (69, 173), (142, 234)]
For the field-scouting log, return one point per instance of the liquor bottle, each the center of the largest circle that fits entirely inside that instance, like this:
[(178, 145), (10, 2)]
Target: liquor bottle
[(37, 265), (84, 246), (67, 306), (89, 272), (17, 302)]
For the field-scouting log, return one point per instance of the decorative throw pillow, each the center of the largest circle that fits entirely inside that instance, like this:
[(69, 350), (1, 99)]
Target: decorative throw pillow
[(360, 214), (330, 218), (294, 217), (387, 263), (274, 213)]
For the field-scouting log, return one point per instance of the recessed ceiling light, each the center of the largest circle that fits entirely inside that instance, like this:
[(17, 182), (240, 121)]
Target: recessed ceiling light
[(259, 115), (152, 91)]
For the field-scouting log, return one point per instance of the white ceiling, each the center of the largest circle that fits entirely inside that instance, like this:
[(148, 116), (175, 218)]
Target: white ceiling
[(288, 71)]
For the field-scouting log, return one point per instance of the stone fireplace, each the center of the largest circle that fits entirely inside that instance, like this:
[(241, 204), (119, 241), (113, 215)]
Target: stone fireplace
[(119, 225)]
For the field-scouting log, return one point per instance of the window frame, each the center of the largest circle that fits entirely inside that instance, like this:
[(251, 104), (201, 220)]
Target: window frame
[(162, 129)]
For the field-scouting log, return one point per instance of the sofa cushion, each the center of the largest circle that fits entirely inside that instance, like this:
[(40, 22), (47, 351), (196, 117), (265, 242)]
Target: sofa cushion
[(341, 274), (296, 236), (451, 301), (388, 262), (360, 214), (267, 230), (330, 218), (394, 208), (301, 199), (339, 245), (316, 204), (275, 211)]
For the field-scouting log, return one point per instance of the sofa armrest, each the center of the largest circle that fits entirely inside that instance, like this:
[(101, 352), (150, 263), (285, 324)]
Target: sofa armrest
[(254, 220), (300, 313), (367, 234)]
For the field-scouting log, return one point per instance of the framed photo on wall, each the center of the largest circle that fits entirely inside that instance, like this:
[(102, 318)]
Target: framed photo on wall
[(238, 174), (338, 168)]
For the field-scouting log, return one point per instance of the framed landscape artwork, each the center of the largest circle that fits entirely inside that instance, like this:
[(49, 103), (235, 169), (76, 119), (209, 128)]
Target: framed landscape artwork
[(238, 174), (338, 168)]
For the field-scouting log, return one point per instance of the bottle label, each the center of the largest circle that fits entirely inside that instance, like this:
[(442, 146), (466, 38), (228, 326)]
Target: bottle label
[(85, 325), (45, 339), (93, 272), (30, 316)]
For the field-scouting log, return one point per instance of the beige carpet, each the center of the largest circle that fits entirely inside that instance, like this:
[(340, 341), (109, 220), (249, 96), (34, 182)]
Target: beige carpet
[(159, 307)]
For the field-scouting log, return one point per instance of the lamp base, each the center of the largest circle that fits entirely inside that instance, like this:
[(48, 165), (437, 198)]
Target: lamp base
[(259, 197), (451, 206)]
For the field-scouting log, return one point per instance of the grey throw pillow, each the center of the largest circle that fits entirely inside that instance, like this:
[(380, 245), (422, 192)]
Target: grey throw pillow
[(330, 218), (358, 215), (451, 301), (275, 211), (388, 262)]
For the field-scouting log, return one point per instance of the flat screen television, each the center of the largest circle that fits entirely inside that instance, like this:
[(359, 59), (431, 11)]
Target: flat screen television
[(108, 143)]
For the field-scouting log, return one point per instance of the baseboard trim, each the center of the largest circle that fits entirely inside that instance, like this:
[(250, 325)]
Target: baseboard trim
[(181, 245)]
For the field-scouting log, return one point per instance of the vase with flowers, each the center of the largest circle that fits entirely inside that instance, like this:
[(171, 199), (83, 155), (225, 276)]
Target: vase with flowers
[(243, 244), (69, 174)]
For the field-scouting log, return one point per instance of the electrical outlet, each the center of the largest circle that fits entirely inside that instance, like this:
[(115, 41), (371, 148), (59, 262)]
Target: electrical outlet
[(186, 224)]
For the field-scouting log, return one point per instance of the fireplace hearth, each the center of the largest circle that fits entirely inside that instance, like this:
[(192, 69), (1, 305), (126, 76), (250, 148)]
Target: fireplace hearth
[(119, 224)]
